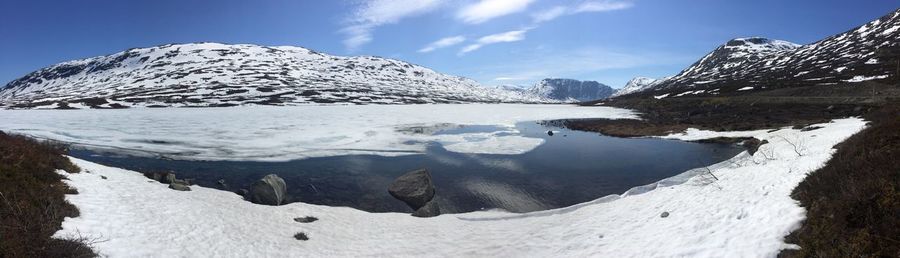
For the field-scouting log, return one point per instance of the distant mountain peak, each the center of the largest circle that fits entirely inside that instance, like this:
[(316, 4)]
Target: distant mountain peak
[(636, 84), (570, 90)]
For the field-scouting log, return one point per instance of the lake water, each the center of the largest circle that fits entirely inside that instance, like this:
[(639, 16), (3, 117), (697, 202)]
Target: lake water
[(570, 167)]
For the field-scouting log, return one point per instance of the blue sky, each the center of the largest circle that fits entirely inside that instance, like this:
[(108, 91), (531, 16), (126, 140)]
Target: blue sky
[(492, 41)]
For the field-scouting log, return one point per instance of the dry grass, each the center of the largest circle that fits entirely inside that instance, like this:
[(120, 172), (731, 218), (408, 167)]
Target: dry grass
[(853, 202), (32, 201)]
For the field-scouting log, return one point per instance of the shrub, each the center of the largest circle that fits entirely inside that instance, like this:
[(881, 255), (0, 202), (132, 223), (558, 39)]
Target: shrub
[(853, 201), (32, 200)]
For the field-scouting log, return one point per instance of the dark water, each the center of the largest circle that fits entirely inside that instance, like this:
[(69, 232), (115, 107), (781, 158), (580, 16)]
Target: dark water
[(569, 168)]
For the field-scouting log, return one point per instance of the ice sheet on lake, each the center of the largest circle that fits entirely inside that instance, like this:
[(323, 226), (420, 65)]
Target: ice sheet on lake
[(285, 133)]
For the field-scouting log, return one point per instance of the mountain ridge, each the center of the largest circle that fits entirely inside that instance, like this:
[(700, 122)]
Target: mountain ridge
[(215, 74), (570, 90), (841, 58)]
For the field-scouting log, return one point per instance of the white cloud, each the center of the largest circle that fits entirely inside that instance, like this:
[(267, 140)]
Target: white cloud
[(485, 10), (589, 6), (509, 36), (442, 43), (602, 6), (549, 14), (372, 14)]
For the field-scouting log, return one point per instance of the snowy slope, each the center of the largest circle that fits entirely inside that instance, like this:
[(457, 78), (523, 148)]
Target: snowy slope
[(755, 63), (570, 90), (747, 212), (636, 84), (211, 74)]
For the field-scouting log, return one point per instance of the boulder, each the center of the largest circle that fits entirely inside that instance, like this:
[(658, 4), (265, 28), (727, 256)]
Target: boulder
[(414, 188), (179, 187), (242, 192), (270, 190), (169, 178), (430, 209), (307, 219), (664, 214)]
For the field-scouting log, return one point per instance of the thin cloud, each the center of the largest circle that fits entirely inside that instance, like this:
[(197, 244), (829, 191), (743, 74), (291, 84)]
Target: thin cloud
[(509, 36), (602, 6), (585, 7), (549, 14), (578, 63), (442, 43), (485, 10), (372, 14)]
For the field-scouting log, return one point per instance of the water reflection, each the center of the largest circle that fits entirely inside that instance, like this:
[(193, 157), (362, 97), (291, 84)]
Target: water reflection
[(568, 168)]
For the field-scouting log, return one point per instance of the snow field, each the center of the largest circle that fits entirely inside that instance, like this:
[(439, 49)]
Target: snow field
[(747, 212)]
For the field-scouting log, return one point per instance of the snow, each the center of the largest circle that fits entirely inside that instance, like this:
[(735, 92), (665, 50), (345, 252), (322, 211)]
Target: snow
[(267, 133), (861, 78), (661, 96), (746, 213), (745, 88), (636, 84), (890, 30)]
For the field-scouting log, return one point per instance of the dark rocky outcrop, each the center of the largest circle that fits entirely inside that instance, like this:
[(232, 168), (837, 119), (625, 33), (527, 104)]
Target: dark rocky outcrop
[(270, 190), (416, 190), (753, 144)]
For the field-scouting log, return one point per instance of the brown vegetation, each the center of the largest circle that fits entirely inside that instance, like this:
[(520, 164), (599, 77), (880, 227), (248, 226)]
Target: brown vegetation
[(853, 202), (32, 201), (661, 117)]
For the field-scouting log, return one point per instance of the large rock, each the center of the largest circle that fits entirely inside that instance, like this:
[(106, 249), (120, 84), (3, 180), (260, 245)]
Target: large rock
[(430, 209), (414, 188), (270, 190)]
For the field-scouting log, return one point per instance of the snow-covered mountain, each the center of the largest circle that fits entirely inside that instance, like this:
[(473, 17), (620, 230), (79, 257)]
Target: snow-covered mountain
[(212, 74), (755, 63), (570, 90), (636, 84)]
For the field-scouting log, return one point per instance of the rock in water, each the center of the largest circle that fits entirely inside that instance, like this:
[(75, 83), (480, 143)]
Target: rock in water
[(414, 188), (550, 133), (430, 209), (270, 190)]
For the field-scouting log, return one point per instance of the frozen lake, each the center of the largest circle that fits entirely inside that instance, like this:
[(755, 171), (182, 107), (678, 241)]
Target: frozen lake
[(482, 156)]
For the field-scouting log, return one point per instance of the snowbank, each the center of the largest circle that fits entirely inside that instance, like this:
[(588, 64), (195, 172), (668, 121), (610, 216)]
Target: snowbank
[(745, 213), (266, 133)]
